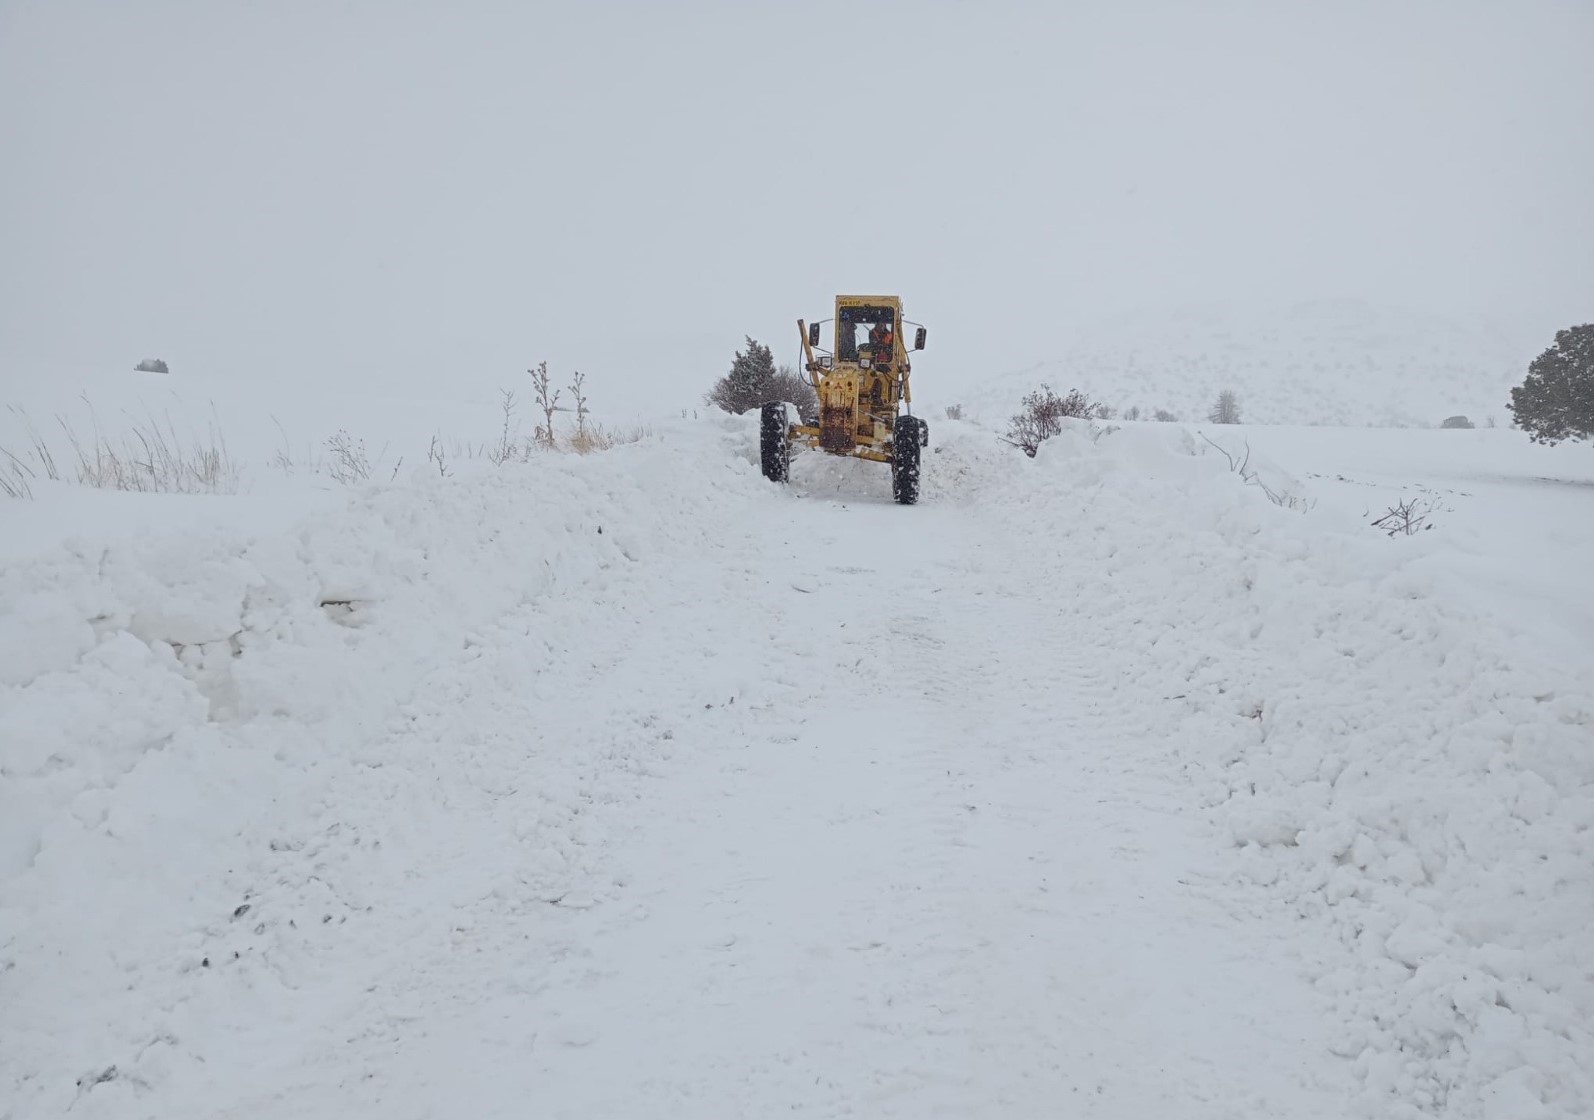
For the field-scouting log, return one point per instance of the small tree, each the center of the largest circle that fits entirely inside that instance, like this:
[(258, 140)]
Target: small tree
[(1457, 422), (749, 381), (1043, 414), (1163, 416), (1556, 402), (1226, 409)]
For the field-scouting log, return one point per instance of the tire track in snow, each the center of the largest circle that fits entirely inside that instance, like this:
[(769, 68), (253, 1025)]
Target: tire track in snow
[(939, 876)]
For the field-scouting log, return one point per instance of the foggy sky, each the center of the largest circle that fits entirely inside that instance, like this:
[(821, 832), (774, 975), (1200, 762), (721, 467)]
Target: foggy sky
[(431, 195)]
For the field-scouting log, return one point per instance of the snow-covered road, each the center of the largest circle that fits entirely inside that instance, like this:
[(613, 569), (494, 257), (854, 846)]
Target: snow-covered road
[(634, 786), (918, 859)]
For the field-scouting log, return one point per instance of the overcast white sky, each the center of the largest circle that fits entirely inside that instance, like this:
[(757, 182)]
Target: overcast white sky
[(440, 194)]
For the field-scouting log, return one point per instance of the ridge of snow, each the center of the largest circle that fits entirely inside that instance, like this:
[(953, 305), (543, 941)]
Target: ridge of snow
[(1387, 761)]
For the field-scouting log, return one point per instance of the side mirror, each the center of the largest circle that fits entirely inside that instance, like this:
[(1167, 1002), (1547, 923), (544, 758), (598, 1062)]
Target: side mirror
[(918, 339), (813, 334)]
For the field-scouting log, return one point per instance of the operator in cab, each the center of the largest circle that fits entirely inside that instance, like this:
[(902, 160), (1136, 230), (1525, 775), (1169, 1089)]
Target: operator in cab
[(880, 339)]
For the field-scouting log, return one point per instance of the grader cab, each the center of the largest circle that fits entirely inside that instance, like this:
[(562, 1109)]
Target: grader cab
[(865, 403)]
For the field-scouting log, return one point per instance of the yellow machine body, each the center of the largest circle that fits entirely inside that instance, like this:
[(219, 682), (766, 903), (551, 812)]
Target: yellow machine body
[(860, 383)]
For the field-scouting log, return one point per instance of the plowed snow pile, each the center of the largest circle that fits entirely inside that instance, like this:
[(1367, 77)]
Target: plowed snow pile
[(1403, 772), (1096, 785)]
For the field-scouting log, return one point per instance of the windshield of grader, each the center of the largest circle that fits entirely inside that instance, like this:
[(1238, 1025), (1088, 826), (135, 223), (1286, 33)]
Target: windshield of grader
[(853, 327)]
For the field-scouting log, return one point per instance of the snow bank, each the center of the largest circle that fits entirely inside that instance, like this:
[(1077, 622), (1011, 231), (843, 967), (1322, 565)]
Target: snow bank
[(177, 711), (1412, 778)]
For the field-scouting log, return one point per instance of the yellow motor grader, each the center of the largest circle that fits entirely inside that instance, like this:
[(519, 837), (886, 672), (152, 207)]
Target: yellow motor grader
[(865, 405)]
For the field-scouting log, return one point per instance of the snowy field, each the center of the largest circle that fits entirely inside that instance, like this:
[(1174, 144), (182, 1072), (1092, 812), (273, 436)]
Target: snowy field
[(627, 784), (1344, 362)]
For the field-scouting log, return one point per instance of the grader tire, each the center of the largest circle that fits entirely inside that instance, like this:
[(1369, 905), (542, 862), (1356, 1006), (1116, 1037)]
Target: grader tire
[(905, 437), (774, 442)]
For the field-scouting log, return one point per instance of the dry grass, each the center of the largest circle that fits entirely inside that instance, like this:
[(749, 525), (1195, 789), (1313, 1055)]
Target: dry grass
[(596, 437), (149, 456), (15, 476), (155, 458)]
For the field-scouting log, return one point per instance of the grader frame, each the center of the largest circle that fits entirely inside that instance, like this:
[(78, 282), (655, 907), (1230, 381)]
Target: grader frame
[(865, 395)]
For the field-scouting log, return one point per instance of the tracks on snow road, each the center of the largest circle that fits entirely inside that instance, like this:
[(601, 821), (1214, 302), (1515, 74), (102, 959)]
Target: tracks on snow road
[(892, 845)]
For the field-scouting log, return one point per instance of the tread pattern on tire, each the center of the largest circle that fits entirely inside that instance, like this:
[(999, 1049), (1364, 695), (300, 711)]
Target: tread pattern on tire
[(774, 444), (905, 443)]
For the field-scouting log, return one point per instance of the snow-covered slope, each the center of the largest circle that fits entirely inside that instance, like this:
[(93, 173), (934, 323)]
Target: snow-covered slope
[(631, 785), (1343, 362)]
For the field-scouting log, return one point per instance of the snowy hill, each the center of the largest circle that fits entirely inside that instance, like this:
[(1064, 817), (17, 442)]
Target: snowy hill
[(632, 785), (1342, 362)]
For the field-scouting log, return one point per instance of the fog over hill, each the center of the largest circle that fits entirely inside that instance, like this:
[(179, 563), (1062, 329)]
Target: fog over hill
[(1337, 362)]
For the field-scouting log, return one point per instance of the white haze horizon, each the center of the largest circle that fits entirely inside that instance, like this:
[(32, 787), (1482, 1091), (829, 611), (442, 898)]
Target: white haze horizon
[(431, 198)]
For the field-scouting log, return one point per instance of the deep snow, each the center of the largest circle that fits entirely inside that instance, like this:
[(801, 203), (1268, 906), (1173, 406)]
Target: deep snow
[(1095, 785)]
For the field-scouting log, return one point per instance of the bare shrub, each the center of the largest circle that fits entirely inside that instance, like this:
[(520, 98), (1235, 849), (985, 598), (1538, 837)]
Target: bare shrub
[(1240, 464), (954, 412), (789, 385), (1163, 416), (438, 457), (1407, 517), (1043, 413), (1132, 412), (349, 461)]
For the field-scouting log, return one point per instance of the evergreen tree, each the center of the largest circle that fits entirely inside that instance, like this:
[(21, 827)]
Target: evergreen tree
[(1556, 401), (749, 382), (1226, 410)]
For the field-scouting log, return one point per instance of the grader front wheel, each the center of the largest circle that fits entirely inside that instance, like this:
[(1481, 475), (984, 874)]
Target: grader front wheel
[(774, 442), (907, 437)]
